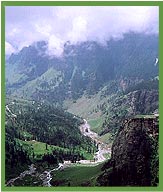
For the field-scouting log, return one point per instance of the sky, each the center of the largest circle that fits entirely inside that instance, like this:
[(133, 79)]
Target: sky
[(57, 25)]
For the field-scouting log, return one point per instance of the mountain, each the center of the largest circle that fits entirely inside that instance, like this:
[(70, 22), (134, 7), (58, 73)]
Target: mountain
[(134, 160), (85, 67), (137, 102), (88, 70), (102, 85)]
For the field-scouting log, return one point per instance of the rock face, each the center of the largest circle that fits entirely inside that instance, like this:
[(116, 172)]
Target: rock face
[(134, 159), (128, 105), (142, 101)]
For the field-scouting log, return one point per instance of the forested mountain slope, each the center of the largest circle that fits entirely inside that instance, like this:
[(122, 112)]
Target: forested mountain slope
[(48, 98), (85, 67), (36, 132)]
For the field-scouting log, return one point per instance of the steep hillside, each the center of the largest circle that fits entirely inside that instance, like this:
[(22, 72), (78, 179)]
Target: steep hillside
[(119, 107), (101, 83), (134, 159), (106, 110), (47, 98), (36, 132), (83, 68)]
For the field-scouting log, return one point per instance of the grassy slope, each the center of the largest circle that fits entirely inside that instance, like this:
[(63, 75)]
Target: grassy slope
[(39, 148), (107, 138), (96, 124), (49, 76), (84, 106), (77, 175), (87, 108)]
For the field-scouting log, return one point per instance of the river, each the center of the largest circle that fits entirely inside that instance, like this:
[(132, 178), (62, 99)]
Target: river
[(102, 147), (46, 177)]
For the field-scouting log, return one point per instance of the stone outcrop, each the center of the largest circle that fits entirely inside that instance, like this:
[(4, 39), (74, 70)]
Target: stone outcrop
[(134, 159)]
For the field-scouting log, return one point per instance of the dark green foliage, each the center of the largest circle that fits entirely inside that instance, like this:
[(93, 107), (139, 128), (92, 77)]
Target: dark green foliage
[(123, 72), (16, 158), (40, 122)]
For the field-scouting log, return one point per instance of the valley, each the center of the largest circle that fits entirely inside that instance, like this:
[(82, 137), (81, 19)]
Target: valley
[(46, 176), (82, 119)]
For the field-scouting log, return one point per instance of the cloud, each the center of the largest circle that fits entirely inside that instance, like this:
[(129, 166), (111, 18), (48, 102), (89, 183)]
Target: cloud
[(43, 29), (55, 46), (57, 25), (9, 49), (79, 30)]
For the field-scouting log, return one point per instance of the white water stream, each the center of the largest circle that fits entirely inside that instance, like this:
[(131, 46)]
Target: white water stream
[(46, 175)]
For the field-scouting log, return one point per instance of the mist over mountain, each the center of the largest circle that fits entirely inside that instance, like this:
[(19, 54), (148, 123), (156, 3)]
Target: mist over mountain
[(84, 67), (77, 24), (82, 96)]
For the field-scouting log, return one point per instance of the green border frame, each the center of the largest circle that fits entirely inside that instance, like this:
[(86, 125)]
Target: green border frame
[(79, 3)]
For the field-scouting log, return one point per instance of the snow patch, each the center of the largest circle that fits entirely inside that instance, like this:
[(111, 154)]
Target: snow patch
[(156, 62)]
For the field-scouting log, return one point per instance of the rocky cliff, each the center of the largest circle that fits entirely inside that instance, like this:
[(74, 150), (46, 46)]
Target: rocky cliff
[(134, 159), (128, 105)]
